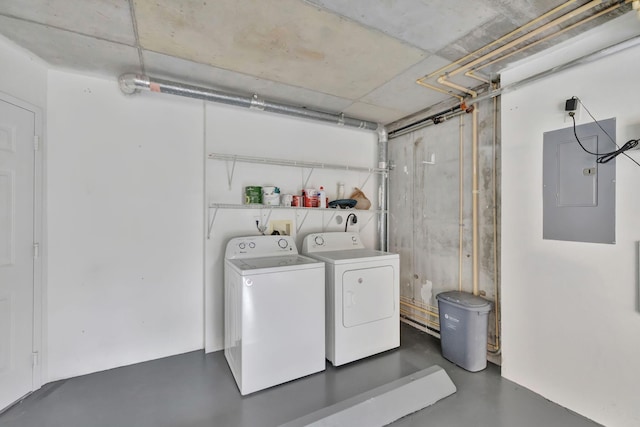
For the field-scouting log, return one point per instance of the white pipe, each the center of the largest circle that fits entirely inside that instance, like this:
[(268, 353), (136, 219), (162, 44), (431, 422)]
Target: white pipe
[(592, 57), (474, 196), (525, 37), (496, 288), (461, 201), (418, 122), (474, 189)]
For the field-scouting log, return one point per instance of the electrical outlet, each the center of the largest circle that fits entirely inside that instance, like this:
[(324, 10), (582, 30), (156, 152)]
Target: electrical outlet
[(572, 107), (283, 226)]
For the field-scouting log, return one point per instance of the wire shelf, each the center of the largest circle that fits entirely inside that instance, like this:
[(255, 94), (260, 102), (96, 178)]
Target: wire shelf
[(293, 163)]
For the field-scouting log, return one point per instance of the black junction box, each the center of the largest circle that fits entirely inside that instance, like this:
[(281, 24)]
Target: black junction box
[(571, 104)]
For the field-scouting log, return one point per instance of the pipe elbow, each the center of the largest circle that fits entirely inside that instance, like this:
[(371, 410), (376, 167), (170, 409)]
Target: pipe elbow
[(132, 83)]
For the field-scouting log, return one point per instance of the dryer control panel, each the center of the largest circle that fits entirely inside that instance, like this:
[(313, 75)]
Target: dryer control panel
[(334, 241), (260, 246)]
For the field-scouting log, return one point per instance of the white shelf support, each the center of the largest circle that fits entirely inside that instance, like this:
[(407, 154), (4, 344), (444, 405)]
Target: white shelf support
[(366, 180), (366, 223), (306, 181), (301, 223), (325, 226), (265, 225), (212, 219), (230, 175)]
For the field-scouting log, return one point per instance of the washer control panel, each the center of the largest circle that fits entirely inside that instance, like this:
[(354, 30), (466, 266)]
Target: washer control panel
[(334, 241), (260, 246)]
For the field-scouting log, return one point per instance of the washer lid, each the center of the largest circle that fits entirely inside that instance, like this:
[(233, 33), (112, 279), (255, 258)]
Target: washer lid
[(273, 264), (354, 255)]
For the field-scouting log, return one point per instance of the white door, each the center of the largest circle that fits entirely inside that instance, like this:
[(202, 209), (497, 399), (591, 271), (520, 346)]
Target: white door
[(17, 127)]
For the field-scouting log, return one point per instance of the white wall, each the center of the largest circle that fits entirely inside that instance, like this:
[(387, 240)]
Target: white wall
[(125, 221), (22, 74), (570, 310), (249, 133), (24, 78), (126, 215)]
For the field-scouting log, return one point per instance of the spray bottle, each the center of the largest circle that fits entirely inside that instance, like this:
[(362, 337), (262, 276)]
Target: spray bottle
[(322, 198)]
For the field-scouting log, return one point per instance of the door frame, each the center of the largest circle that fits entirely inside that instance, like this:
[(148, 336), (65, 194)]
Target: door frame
[(39, 264)]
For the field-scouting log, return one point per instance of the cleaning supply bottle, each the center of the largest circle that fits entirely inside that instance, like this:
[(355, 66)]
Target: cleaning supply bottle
[(322, 198)]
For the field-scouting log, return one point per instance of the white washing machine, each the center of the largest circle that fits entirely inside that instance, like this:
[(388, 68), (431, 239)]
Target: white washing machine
[(362, 296), (274, 312)]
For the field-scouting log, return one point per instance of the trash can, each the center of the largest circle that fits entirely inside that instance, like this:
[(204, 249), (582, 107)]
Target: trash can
[(463, 329)]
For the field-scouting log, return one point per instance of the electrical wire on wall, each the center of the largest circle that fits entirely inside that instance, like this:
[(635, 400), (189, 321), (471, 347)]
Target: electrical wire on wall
[(604, 157)]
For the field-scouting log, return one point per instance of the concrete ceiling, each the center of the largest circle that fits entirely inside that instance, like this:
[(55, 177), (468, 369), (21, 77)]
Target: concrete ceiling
[(361, 58)]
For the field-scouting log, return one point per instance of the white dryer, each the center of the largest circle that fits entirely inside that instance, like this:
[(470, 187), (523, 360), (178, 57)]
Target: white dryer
[(274, 312), (362, 296)]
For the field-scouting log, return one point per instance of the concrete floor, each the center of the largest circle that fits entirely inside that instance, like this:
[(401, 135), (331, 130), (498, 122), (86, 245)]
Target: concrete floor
[(197, 390)]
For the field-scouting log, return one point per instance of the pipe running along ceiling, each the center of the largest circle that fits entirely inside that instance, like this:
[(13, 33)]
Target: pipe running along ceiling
[(507, 46), (358, 58)]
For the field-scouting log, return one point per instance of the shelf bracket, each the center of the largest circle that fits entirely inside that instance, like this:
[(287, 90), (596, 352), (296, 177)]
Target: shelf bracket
[(266, 223), (325, 226), (230, 175), (211, 221), (301, 223), (306, 181), (366, 223), (366, 180)]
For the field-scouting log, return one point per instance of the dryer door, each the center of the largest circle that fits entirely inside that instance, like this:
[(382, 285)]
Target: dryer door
[(367, 295)]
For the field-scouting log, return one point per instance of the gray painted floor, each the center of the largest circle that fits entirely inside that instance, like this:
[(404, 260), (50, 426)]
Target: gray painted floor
[(197, 390)]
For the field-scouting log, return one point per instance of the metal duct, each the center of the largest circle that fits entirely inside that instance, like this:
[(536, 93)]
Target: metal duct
[(383, 145), (132, 83)]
